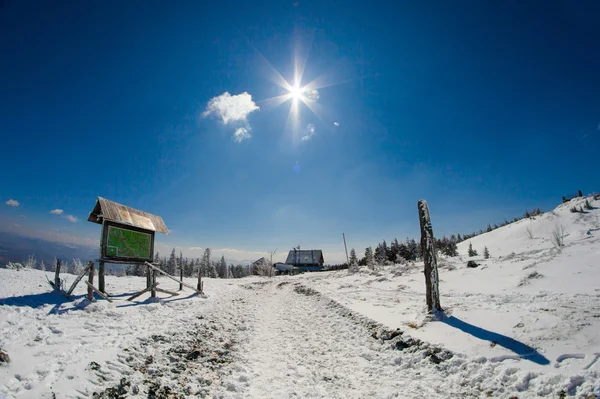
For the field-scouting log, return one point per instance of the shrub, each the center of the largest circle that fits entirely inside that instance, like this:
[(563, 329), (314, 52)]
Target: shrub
[(529, 233), (558, 236)]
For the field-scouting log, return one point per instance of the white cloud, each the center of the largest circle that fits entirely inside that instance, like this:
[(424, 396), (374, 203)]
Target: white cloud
[(231, 108), (56, 211), (241, 134), (336, 124), (310, 132), (12, 202), (71, 218)]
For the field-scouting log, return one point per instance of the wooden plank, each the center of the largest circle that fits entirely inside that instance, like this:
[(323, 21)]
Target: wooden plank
[(139, 293), (77, 280), (167, 292), (97, 291), (172, 278)]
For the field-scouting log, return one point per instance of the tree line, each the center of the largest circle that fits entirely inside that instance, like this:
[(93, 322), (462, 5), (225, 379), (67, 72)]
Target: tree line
[(207, 267), (409, 250)]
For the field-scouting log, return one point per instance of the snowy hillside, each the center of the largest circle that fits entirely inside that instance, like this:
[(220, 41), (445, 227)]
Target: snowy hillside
[(525, 323)]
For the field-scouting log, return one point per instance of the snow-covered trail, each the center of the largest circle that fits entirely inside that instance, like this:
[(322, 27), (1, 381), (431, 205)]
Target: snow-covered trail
[(302, 345)]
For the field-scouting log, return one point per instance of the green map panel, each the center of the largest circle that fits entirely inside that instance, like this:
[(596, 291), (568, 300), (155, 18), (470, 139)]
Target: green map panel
[(123, 243)]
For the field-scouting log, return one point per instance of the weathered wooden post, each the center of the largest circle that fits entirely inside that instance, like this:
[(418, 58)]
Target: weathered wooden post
[(199, 286), (57, 275), (153, 287), (181, 276), (90, 293), (101, 277), (428, 248), (148, 277)]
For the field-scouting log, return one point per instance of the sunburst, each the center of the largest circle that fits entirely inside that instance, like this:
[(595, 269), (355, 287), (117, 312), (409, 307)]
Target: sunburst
[(295, 93)]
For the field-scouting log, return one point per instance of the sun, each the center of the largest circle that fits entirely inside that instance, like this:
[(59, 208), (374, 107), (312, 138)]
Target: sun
[(296, 92)]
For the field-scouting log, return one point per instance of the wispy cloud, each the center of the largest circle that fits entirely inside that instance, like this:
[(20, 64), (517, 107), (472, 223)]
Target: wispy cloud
[(12, 202), (310, 132), (56, 211), (71, 218), (241, 134), (336, 124), (231, 108)]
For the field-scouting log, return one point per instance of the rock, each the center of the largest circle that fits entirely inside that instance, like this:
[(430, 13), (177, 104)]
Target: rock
[(472, 263), (4, 357)]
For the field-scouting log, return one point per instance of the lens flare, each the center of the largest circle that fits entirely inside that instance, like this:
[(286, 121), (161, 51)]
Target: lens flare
[(312, 95)]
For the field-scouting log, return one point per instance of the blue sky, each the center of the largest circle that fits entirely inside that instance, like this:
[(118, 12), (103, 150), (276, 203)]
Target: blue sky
[(482, 109)]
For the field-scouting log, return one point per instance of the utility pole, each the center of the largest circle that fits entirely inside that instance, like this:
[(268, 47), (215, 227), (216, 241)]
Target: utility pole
[(271, 264), (346, 247)]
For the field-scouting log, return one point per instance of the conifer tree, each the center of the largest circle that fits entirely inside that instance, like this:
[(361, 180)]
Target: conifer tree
[(207, 266), (171, 263), (486, 253), (222, 269), (370, 258), (353, 262), (472, 252)]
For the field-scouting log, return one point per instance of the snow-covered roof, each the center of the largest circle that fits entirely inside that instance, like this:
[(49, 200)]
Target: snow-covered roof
[(115, 212)]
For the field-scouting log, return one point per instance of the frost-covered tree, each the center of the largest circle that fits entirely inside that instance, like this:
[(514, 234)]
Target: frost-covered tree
[(31, 262), (77, 266), (380, 255), (370, 258), (42, 266), (353, 262), (208, 266), (486, 253), (172, 263), (222, 268)]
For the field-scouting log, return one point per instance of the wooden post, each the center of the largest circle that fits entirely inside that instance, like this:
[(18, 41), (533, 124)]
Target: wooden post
[(157, 270), (57, 275), (199, 286), (153, 286), (90, 294), (148, 277), (101, 277), (202, 287), (428, 248), (181, 275)]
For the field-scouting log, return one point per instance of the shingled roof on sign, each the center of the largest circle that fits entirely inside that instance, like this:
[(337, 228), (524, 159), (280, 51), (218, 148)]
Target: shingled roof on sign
[(115, 212)]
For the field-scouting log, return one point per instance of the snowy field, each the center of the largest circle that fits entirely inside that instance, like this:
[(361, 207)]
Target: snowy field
[(524, 324)]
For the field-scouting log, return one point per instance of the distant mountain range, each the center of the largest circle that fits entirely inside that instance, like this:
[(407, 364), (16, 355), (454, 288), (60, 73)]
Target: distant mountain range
[(15, 248)]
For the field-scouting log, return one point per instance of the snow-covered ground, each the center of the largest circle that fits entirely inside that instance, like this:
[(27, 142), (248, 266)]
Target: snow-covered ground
[(525, 323)]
